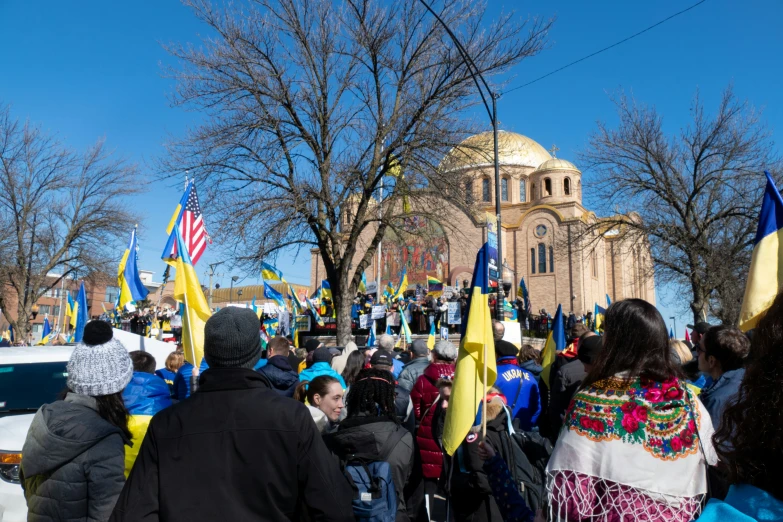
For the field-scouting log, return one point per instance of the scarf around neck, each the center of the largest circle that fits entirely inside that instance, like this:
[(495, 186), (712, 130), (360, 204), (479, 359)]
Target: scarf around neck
[(631, 449)]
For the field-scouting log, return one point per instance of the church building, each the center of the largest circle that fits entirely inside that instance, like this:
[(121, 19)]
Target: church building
[(542, 232)]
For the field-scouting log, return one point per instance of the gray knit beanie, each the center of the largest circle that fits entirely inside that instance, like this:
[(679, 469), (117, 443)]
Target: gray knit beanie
[(100, 364), (232, 338)]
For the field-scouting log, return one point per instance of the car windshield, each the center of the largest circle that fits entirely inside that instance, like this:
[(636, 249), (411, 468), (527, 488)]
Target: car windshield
[(30, 385)]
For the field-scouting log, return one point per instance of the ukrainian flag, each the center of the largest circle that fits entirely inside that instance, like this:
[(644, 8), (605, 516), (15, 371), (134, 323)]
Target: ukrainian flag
[(187, 290), (523, 294), (371, 340), (315, 313), (477, 348), (431, 337), (608, 301), (363, 284), (176, 219), (403, 285), (598, 318), (326, 290), (270, 273), (405, 328), (765, 277), (81, 315), (556, 342), (274, 295), (71, 310), (131, 287), (47, 331)]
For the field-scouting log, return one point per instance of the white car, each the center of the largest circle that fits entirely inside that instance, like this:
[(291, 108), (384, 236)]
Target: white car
[(31, 376)]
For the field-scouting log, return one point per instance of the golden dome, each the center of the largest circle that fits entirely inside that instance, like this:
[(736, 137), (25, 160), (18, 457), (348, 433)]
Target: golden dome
[(557, 164), (513, 149)]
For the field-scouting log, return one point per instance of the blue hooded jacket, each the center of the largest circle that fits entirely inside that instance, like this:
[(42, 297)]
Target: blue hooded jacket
[(279, 372), (520, 388), (182, 380), (318, 369), (146, 394), (743, 503)]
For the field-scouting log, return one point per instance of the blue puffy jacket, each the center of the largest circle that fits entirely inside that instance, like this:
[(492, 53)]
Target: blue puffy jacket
[(318, 369), (520, 388), (145, 395), (721, 393), (397, 369), (279, 372)]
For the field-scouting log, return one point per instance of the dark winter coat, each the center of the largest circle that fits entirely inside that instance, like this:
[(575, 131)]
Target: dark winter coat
[(564, 384), (423, 396), (72, 463), (471, 492), (235, 450), (412, 371), (279, 372), (721, 393), (400, 458), (534, 368)]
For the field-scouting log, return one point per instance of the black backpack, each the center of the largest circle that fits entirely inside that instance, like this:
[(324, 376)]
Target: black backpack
[(527, 455)]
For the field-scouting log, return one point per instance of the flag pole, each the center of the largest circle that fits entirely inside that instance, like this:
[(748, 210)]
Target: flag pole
[(484, 382)]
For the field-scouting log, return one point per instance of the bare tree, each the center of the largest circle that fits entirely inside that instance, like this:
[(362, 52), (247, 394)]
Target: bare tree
[(312, 105), (61, 212), (697, 194)]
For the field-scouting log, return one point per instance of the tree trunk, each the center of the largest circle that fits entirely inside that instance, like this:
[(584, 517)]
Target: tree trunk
[(342, 305), (22, 327), (698, 305)]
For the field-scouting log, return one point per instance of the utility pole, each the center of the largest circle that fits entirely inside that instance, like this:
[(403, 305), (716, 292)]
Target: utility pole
[(212, 273)]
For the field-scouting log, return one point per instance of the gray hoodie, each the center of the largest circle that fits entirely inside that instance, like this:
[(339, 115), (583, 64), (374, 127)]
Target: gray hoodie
[(73, 462)]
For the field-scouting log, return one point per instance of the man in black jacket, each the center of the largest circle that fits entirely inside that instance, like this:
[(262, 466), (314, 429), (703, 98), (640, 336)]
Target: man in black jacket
[(234, 450), (278, 370)]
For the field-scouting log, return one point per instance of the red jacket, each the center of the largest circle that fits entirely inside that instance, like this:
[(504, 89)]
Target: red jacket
[(423, 396)]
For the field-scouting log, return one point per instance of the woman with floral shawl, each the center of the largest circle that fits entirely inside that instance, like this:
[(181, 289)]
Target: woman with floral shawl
[(635, 442)]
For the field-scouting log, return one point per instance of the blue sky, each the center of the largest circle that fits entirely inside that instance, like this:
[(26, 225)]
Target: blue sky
[(91, 69)]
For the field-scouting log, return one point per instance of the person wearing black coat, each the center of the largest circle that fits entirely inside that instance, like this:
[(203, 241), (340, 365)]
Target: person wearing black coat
[(283, 378), (235, 449)]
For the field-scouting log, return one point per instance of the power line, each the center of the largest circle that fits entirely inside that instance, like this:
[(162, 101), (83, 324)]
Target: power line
[(607, 48)]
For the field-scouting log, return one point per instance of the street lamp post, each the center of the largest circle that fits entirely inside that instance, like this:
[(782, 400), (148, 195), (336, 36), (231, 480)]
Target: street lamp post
[(493, 117), (231, 289)]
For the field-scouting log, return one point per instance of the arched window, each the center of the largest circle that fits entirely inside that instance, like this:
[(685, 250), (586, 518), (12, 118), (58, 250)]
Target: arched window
[(547, 187), (522, 191), (533, 260), (469, 192), (485, 189), (552, 260), (504, 189), (541, 258), (567, 186)]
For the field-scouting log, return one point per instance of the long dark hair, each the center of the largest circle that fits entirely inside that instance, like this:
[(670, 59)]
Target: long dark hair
[(635, 342), (309, 389), (353, 365), (750, 436), (372, 394), (112, 409)]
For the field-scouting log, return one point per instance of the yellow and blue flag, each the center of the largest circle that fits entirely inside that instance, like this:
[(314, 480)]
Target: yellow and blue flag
[(406, 329), (81, 314), (46, 333), (598, 318), (169, 253), (326, 290), (523, 294), (477, 349), (371, 340), (71, 309), (131, 287), (608, 301), (363, 284), (402, 286), (765, 277), (274, 295), (270, 273), (187, 290), (555, 342), (431, 337)]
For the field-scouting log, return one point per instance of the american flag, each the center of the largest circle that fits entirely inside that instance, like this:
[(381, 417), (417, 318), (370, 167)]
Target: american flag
[(194, 234)]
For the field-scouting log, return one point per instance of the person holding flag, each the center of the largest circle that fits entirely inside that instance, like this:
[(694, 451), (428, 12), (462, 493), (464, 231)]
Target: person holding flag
[(46, 333)]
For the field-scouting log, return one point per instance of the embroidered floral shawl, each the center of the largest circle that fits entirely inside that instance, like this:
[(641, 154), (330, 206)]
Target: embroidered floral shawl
[(629, 451)]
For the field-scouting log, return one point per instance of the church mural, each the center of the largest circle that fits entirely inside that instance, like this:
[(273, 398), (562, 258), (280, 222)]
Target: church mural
[(421, 247)]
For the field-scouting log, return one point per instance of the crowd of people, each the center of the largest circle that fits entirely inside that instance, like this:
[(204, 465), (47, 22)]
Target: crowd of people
[(628, 425)]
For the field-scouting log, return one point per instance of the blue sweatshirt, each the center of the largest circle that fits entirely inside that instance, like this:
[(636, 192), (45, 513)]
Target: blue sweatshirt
[(520, 388)]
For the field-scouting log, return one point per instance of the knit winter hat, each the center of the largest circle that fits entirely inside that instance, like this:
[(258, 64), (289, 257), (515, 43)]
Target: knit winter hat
[(322, 355), (232, 338), (99, 365)]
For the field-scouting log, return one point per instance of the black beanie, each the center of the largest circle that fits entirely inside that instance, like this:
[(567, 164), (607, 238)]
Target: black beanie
[(232, 338), (322, 355), (505, 349)]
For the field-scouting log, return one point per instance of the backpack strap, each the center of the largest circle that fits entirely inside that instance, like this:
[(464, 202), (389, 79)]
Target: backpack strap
[(391, 442)]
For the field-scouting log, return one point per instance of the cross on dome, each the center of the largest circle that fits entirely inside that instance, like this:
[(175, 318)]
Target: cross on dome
[(553, 150)]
